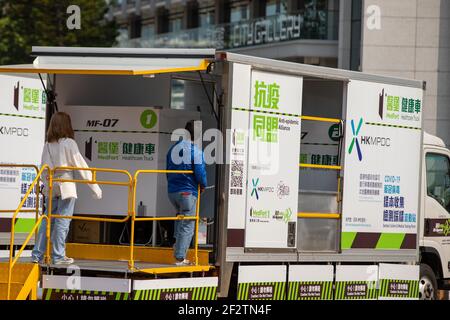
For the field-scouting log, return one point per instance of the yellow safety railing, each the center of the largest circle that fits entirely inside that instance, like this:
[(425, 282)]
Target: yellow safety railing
[(94, 180), (179, 217), (320, 119), (131, 183), (320, 215), (12, 261)]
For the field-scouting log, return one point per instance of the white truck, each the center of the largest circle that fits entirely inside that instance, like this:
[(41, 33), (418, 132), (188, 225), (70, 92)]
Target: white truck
[(326, 186)]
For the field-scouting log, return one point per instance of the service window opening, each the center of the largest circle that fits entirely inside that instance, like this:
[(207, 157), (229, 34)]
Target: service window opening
[(126, 122)]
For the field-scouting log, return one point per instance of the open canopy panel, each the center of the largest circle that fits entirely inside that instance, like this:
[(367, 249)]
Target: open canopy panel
[(113, 61)]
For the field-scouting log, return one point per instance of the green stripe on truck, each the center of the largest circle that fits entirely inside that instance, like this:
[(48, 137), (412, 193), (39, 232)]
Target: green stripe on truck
[(24, 225), (347, 239), (392, 241)]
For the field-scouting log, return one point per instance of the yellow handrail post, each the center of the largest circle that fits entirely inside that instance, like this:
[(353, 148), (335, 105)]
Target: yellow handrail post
[(38, 192), (133, 218), (11, 248), (197, 217), (49, 215)]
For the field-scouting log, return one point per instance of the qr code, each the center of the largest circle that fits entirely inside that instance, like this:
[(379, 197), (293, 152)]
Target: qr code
[(237, 172)]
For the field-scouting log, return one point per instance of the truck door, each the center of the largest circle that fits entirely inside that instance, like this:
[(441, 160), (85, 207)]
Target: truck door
[(264, 159), (437, 203), (382, 167)]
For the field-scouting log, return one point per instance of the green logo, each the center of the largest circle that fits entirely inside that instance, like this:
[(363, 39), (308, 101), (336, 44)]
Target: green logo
[(355, 138), (148, 119), (263, 214), (285, 215), (33, 99), (266, 95), (399, 107), (125, 150), (333, 132)]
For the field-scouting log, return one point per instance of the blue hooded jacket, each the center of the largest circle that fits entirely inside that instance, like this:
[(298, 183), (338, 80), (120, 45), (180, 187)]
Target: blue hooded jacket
[(177, 182)]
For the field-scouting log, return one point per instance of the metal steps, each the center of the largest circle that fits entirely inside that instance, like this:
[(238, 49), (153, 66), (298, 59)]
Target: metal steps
[(24, 281)]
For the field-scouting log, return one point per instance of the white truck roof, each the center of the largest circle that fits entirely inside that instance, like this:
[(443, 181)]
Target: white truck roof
[(113, 61), (431, 140)]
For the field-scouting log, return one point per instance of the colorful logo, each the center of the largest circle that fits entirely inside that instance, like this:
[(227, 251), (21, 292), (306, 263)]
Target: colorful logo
[(284, 215), (255, 190), (333, 132), (355, 139), (148, 119), (398, 107), (282, 190)]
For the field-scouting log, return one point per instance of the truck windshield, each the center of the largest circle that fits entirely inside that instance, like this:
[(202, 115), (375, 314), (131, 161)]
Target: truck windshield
[(438, 178)]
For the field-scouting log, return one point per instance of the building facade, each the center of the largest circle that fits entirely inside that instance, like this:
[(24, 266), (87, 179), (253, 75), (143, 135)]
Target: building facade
[(401, 38)]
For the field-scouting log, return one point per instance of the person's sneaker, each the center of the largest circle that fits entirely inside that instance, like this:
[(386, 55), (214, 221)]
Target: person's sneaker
[(183, 263), (34, 260), (66, 260)]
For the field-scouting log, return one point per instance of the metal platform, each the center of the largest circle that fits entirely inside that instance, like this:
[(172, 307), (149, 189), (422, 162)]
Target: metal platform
[(121, 266)]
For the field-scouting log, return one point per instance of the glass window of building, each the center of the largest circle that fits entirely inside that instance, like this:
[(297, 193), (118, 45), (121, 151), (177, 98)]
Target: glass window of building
[(274, 7), (148, 31), (206, 18), (135, 27), (177, 94), (239, 13), (175, 24), (283, 7), (271, 8)]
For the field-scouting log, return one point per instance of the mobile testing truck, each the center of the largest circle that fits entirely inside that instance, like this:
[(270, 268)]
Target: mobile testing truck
[(325, 187)]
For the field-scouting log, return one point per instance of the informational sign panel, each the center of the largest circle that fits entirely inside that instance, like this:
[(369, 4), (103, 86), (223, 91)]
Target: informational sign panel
[(310, 282), (69, 288), (273, 160), (382, 166), (356, 282), (399, 282), (126, 138), (22, 135), (204, 288), (238, 149), (262, 282)]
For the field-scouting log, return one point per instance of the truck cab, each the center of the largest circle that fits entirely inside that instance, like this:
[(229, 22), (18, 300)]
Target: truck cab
[(435, 227)]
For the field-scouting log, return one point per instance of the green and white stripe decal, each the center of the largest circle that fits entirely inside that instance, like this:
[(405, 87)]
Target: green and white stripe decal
[(310, 290), (122, 131), (355, 290), (20, 116), (378, 241), (262, 291), (399, 288), (268, 112), (64, 294), (200, 293), (391, 126)]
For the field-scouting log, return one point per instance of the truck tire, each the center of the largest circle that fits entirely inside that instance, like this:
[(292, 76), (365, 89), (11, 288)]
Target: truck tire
[(427, 283)]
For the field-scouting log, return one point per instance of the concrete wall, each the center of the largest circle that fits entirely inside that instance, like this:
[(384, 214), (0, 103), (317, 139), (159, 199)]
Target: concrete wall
[(413, 42)]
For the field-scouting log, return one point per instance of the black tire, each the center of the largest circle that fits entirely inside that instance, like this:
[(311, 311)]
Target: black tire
[(427, 284)]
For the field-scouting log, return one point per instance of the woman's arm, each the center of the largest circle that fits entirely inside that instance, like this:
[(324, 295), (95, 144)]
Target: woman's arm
[(77, 160)]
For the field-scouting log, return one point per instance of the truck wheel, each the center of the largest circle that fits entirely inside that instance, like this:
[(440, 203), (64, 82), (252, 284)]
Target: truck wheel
[(427, 283)]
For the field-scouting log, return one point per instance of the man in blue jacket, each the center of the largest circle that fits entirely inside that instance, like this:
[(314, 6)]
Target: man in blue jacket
[(183, 189)]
